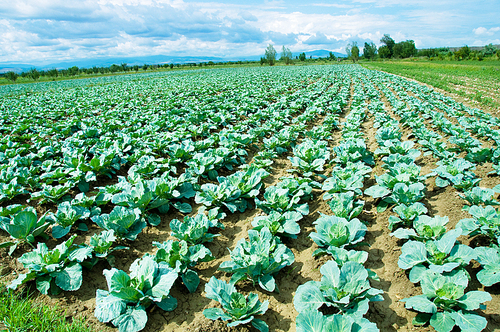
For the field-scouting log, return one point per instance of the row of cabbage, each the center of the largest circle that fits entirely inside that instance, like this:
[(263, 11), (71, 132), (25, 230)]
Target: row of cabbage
[(434, 256), (345, 284), (140, 197)]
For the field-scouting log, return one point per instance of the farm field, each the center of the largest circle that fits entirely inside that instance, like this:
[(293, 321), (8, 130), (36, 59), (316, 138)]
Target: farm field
[(476, 82), (375, 185)]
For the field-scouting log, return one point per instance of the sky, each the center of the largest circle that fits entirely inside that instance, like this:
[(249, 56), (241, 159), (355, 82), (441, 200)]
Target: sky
[(34, 31)]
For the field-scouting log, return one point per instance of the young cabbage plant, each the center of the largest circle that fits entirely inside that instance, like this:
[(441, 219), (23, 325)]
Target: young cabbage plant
[(388, 133), (486, 221), (129, 295), (341, 182), (425, 228), (279, 224), (159, 193), (102, 247), (404, 148), (406, 214), (52, 194), (66, 216), (479, 196), (440, 256), (309, 157), (55, 270), (279, 199), (315, 321), (248, 182), (489, 258), (346, 289), (298, 186), (337, 232), (224, 194), (125, 222), (259, 259), (205, 164), (353, 150), (182, 257), (345, 205), (11, 189), (236, 308), (342, 256), (22, 224), (400, 194), (444, 303), (194, 230), (456, 173)]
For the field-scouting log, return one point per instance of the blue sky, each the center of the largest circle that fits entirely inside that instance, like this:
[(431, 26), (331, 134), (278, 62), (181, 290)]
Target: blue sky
[(53, 30)]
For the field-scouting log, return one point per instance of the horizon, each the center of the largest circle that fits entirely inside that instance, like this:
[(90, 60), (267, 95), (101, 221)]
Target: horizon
[(37, 32)]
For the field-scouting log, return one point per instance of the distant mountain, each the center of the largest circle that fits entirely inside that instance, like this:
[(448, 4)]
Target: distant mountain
[(140, 60), (323, 54)]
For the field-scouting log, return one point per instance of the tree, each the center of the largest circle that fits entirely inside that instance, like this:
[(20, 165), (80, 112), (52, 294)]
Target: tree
[(34, 74), (263, 60), (11, 76), (286, 55), (332, 56), (369, 51), (384, 52), (302, 56), (53, 72), (389, 42), (489, 49), (352, 51), (462, 53), (73, 71), (270, 54), (404, 49)]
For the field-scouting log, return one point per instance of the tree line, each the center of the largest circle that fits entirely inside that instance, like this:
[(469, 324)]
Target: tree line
[(286, 56), (35, 74), (406, 49)]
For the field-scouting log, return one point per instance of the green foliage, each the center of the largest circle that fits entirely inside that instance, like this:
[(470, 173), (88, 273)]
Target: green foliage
[(389, 43), (127, 223), (55, 270), (270, 55), (442, 255), (315, 321), (22, 224), (445, 303), (286, 55), (237, 308), (259, 259), (129, 295), (370, 51), (182, 257), (337, 232), (22, 312), (346, 289), (11, 76)]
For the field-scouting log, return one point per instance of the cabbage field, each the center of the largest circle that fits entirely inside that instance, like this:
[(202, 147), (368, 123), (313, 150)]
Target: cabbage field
[(314, 198)]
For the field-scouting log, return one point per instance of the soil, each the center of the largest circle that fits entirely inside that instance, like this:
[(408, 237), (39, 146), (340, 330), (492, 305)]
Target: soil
[(384, 250)]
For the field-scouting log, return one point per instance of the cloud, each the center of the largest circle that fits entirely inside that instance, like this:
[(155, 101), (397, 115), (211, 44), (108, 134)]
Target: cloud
[(335, 5), (248, 16), (481, 31), (318, 39), (62, 29)]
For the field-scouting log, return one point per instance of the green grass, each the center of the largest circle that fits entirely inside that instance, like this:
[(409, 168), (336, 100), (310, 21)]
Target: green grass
[(474, 80), (20, 312)]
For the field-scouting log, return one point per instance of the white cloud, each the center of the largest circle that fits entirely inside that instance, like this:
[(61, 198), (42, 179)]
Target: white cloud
[(487, 32), (62, 29)]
